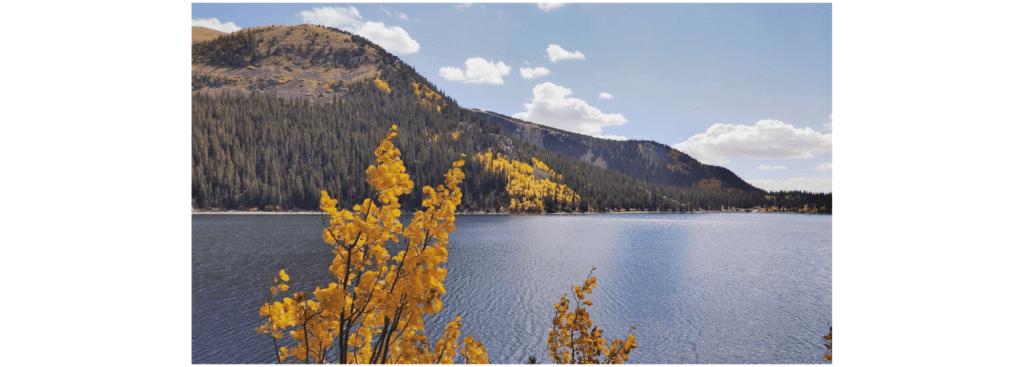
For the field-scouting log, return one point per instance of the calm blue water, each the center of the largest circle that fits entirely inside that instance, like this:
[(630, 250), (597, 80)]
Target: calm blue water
[(700, 288)]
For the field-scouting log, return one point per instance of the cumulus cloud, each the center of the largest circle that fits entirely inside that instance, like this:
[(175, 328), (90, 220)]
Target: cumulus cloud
[(462, 6), (767, 139), (557, 53), (550, 107), (822, 185), (604, 95), (549, 6), (393, 39), (477, 71), (824, 167), (213, 23), (402, 16), (610, 137), (765, 167), (536, 72)]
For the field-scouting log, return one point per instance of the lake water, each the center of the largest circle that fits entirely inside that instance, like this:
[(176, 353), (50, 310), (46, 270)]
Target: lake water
[(700, 288)]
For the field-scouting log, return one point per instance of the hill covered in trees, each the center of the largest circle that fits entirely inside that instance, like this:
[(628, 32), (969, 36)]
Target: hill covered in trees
[(646, 160), (282, 112)]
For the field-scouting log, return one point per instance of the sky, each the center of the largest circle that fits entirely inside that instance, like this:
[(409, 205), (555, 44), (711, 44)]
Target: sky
[(743, 86), (98, 147)]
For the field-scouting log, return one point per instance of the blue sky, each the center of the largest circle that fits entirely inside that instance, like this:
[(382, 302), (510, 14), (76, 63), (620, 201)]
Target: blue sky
[(744, 86)]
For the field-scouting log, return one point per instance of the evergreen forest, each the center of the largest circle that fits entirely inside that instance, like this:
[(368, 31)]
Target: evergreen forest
[(263, 140)]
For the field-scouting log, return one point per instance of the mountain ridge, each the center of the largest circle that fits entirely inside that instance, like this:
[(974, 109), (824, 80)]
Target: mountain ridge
[(327, 66), (681, 169)]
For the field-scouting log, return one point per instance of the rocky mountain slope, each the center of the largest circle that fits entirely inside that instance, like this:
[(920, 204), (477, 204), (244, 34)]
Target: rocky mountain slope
[(645, 160), (280, 112)]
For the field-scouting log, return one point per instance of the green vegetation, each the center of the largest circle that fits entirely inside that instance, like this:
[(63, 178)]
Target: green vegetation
[(268, 139), (257, 150)]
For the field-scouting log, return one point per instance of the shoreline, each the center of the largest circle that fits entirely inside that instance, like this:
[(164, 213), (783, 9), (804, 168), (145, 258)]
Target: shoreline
[(244, 212)]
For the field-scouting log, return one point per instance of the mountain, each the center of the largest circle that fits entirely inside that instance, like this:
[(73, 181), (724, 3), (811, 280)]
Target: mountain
[(648, 161), (282, 112), (200, 34), (292, 61)]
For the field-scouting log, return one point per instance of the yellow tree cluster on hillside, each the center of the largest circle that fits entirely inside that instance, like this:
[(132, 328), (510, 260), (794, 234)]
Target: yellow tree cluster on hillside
[(528, 190), (382, 85), (573, 337), (428, 96), (374, 311)]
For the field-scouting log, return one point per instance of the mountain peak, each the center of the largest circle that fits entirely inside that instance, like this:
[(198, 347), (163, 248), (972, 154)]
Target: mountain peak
[(291, 61)]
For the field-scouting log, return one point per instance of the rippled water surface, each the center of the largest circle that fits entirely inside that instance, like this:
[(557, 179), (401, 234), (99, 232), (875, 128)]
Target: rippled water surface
[(700, 288)]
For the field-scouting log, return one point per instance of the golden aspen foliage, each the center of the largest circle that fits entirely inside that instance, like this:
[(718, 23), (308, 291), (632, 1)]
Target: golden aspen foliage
[(427, 96), (373, 312), (527, 192), (382, 85), (573, 337), (828, 346)]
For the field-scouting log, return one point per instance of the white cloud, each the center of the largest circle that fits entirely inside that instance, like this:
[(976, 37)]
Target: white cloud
[(765, 167), (550, 107), (536, 72), (610, 137), (549, 6), (824, 167), (398, 14), (767, 139), (462, 6), (342, 18), (557, 53), (477, 71), (393, 39), (213, 23), (823, 185), (604, 95)]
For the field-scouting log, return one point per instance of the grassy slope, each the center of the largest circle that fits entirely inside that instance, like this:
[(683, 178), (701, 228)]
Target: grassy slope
[(200, 34), (297, 64)]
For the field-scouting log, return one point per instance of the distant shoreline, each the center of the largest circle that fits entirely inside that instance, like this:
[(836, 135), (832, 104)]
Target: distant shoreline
[(243, 212)]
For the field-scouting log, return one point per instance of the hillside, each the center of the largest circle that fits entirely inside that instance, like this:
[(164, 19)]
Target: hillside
[(290, 61), (645, 160), (202, 34), (282, 112)]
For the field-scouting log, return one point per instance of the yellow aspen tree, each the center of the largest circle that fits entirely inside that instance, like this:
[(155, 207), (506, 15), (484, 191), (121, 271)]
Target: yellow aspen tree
[(374, 310), (828, 346), (526, 192), (573, 337)]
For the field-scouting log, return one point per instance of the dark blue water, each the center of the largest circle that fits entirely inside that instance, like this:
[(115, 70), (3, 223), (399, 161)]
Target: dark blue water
[(700, 288)]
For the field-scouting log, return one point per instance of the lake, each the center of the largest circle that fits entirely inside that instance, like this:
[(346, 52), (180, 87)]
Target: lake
[(700, 288)]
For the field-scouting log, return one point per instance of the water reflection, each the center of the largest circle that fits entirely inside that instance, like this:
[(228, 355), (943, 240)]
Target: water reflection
[(714, 288)]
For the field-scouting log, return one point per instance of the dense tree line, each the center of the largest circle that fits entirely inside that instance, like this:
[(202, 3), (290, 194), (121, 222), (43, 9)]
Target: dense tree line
[(646, 160), (237, 49), (263, 151), (259, 150)]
